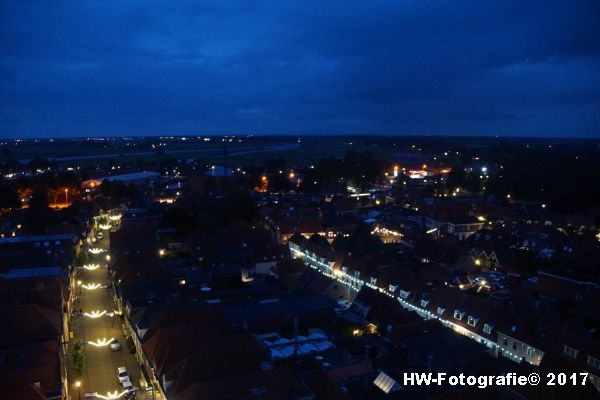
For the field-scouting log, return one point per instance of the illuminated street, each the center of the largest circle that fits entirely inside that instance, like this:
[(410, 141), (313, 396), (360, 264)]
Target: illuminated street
[(96, 327)]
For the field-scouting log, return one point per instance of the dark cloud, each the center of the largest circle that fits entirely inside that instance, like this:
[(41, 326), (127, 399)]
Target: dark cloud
[(380, 67)]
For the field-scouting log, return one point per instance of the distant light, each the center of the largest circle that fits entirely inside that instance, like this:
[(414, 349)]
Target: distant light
[(483, 169)]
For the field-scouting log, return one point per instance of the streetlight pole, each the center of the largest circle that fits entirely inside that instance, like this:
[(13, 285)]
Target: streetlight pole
[(78, 386)]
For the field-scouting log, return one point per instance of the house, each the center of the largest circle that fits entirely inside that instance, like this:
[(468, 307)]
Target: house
[(491, 250), (451, 220), (195, 354), (444, 250), (562, 283), (38, 251), (443, 351), (575, 352), (33, 353)]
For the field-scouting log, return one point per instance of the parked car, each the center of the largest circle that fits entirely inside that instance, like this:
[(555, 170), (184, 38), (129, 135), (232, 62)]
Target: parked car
[(115, 345), (128, 386), (122, 374)]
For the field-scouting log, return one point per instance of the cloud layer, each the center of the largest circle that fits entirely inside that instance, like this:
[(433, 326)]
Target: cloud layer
[(86, 67)]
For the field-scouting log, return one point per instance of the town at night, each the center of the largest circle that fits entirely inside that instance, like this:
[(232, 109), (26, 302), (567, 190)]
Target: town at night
[(300, 200)]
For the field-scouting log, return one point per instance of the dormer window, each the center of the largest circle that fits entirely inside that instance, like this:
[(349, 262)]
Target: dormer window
[(356, 274), (459, 314), (472, 320), (571, 352), (392, 288), (404, 294), (487, 328), (593, 362), (373, 281), (440, 310), (424, 302)]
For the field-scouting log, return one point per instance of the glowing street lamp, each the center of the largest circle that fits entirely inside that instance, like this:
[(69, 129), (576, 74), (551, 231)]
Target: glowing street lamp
[(112, 395), (92, 286), (95, 314), (78, 387), (91, 267), (108, 257), (102, 342)]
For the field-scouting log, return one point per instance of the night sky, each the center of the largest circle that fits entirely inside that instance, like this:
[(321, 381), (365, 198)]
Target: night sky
[(98, 67)]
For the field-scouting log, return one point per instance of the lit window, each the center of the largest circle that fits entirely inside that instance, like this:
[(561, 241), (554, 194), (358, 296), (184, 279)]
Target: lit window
[(571, 352), (472, 320), (593, 362), (459, 314), (487, 328)]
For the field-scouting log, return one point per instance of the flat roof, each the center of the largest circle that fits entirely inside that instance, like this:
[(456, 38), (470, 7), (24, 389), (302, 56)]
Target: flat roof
[(36, 238), (128, 177)]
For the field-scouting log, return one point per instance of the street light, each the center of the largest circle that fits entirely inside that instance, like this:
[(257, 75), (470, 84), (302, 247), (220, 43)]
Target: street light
[(108, 257), (78, 386)]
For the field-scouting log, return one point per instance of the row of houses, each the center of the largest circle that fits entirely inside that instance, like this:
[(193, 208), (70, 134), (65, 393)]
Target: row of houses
[(521, 324), (36, 300)]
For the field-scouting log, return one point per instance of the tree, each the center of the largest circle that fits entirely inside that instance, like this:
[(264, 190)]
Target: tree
[(37, 215), (239, 205), (82, 258), (8, 197), (79, 358), (280, 183), (178, 218), (457, 178)]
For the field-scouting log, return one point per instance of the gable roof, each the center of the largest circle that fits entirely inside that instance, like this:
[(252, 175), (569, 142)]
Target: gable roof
[(29, 323)]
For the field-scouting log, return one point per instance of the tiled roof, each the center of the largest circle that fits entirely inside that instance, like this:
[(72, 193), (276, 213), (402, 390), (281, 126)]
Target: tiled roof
[(29, 323)]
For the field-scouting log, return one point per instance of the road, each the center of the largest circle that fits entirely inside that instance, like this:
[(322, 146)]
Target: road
[(235, 152), (100, 375)]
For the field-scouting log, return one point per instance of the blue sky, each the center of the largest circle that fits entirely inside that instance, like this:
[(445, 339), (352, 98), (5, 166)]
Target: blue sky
[(509, 68)]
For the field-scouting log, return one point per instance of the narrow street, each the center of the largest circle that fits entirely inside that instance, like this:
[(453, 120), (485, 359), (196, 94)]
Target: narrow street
[(100, 376)]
